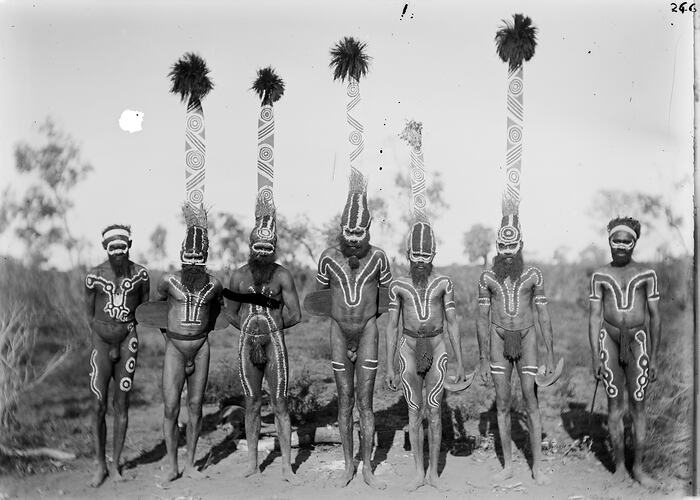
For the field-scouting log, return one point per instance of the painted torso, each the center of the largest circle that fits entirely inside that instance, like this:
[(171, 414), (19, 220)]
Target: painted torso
[(624, 292), (116, 299), (255, 319), (422, 308), (354, 292), (512, 302), (188, 313)]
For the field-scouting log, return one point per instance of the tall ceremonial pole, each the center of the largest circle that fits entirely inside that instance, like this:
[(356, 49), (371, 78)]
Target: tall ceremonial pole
[(696, 361), (515, 43)]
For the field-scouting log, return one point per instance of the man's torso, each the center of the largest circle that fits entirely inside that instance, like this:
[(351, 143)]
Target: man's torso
[(354, 291), (511, 301), (116, 298), (188, 311), (624, 292), (255, 319)]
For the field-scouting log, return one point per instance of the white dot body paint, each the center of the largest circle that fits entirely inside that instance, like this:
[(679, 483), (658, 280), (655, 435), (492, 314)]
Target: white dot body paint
[(131, 121)]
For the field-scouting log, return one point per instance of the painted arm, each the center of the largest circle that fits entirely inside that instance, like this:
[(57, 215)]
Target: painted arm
[(540, 300), (145, 290), (448, 302), (323, 280), (595, 321), (392, 336), (291, 301), (654, 326), (233, 307), (90, 296), (162, 294), (482, 329)]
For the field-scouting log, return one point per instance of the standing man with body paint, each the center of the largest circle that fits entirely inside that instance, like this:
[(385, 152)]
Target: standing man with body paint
[(113, 290), (193, 295), (425, 300), (262, 292), (624, 294), (512, 297), (353, 271)]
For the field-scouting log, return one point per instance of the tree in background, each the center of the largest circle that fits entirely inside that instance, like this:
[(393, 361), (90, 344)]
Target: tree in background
[(39, 216), (594, 255), (157, 252), (228, 248), (478, 241)]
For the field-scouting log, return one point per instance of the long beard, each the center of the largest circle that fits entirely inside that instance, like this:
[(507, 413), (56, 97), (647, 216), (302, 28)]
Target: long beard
[(354, 253), (420, 274), (194, 277), (505, 269), (621, 258), (120, 264), (262, 267)]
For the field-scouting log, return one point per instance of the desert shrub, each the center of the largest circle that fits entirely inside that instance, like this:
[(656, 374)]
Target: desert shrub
[(303, 397), (224, 382)]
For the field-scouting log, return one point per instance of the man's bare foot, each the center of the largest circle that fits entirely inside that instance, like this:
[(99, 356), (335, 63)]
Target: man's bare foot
[(644, 479), (502, 475), (192, 473), (115, 475), (620, 476), (347, 476), (433, 480), (252, 471), (371, 480), (290, 477), (416, 483), (539, 477), (171, 476), (99, 476)]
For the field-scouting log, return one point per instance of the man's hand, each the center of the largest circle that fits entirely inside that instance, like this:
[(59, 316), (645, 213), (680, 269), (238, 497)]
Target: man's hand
[(597, 369), (484, 370), (460, 373), (392, 380), (652, 373)]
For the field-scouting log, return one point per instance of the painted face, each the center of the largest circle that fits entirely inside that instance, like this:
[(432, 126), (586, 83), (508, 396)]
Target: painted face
[(509, 238), (263, 238), (421, 243), (356, 218), (195, 248), (116, 241), (622, 243)]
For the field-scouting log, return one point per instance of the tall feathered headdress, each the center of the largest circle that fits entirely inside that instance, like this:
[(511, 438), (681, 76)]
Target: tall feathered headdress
[(189, 78), (350, 62), (515, 43), (421, 239), (269, 88)]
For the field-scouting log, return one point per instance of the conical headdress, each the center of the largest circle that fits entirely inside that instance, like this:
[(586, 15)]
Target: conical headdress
[(350, 62), (189, 77), (515, 43), (269, 88), (421, 239)]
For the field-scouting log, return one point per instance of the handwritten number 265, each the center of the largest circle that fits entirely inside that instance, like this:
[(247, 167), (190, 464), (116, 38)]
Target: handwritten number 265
[(682, 7)]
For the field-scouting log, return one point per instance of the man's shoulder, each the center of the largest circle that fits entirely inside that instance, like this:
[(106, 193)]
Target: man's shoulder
[(486, 273), (139, 267), (533, 271), (330, 252), (377, 251), (100, 268), (603, 271)]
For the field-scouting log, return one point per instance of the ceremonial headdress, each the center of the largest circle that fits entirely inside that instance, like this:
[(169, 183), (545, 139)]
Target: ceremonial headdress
[(421, 239), (269, 88), (189, 77), (515, 43), (116, 238), (350, 62)]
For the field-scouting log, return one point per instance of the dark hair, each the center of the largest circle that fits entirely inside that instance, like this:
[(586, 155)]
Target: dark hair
[(630, 222)]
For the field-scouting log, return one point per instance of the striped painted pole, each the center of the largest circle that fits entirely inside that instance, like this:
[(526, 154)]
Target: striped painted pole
[(514, 151), (195, 149)]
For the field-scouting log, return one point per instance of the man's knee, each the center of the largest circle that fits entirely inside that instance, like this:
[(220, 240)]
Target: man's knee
[(434, 414), (171, 410), (346, 402), (195, 406), (279, 406), (100, 408)]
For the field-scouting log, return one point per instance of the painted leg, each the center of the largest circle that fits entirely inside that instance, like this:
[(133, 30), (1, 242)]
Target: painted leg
[(413, 393), (173, 381), (501, 371), (124, 377), (435, 381), (251, 380), (616, 428), (344, 372), (100, 373), (366, 375), (277, 376), (196, 384)]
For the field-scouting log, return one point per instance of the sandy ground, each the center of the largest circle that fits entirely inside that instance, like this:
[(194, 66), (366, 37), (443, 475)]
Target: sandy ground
[(574, 476)]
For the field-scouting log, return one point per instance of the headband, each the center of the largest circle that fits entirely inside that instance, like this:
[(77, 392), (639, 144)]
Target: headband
[(622, 227), (116, 232)]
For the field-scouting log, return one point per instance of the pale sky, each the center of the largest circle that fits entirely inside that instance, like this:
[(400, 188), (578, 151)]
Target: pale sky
[(608, 105)]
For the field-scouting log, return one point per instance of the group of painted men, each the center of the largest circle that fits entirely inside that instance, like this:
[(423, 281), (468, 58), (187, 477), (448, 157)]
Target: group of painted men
[(624, 334)]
